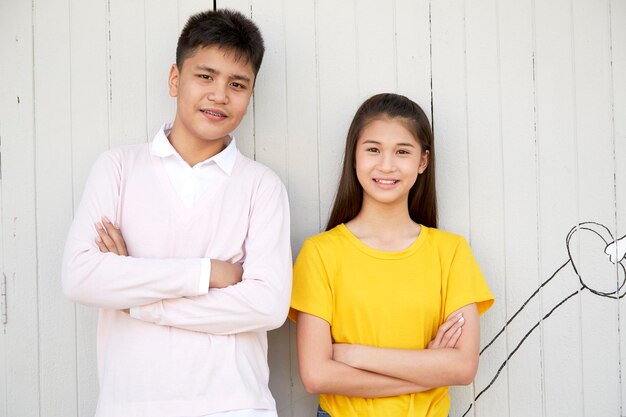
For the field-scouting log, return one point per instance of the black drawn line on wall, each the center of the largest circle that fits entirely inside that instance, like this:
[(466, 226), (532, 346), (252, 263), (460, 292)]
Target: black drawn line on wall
[(522, 307), (518, 346), (605, 234)]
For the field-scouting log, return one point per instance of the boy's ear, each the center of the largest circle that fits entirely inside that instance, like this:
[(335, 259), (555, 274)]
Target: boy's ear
[(173, 80), (423, 162)]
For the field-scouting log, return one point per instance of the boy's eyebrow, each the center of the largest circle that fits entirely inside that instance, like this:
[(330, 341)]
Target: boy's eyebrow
[(210, 70), (397, 144)]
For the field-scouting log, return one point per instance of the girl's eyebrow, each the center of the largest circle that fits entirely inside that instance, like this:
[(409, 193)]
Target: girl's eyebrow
[(372, 141)]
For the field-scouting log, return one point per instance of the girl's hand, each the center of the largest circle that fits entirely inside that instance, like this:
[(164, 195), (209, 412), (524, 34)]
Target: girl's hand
[(110, 238), (448, 333)]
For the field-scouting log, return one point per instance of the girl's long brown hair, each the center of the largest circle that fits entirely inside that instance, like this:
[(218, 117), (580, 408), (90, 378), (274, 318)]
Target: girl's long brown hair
[(422, 196)]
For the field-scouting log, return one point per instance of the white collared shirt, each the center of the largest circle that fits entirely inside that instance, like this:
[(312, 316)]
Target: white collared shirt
[(191, 182)]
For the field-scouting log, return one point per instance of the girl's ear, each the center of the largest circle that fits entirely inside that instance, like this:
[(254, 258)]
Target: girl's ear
[(423, 162)]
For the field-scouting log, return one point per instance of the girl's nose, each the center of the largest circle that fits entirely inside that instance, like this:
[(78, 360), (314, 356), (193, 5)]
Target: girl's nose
[(386, 163)]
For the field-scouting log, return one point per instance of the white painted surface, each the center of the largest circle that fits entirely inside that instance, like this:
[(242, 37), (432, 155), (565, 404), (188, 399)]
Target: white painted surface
[(528, 100)]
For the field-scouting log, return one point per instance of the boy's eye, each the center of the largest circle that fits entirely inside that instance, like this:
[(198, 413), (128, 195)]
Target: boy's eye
[(205, 76), (238, 85)]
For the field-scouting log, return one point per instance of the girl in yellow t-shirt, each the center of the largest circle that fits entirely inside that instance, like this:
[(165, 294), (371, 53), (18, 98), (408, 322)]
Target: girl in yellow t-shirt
[(387, 305)]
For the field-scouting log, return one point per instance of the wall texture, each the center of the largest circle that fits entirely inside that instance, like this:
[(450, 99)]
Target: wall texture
[(528, 103)]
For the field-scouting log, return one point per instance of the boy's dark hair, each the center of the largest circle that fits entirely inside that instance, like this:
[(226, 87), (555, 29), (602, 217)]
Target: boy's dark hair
[(422, 202), (227, 29)]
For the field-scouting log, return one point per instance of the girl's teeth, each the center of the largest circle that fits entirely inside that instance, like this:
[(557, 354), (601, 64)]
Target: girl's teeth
[(386, 181)]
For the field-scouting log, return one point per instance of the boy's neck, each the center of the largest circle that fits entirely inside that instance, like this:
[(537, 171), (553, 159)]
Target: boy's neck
[(193, 150)]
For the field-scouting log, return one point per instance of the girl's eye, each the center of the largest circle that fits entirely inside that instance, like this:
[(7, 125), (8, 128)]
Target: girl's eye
[(375, 150), (403, 152)]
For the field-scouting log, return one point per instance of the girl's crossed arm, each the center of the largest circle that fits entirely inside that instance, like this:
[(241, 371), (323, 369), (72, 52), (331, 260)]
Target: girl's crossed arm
[(434, 367), (325, 368), (321, 374)]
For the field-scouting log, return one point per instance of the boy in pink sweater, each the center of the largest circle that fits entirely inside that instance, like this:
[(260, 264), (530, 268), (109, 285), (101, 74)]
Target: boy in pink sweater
[(203, 269)]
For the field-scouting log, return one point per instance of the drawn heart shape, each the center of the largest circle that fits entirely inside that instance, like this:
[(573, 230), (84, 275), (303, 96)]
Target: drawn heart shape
[(585, 246)]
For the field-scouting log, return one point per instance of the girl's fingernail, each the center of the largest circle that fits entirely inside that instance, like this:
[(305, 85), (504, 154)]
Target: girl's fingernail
[(461, 320), (459, 330)]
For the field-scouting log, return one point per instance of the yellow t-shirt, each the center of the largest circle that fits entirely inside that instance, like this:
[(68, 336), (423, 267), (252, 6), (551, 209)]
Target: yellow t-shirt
[(387, 300)]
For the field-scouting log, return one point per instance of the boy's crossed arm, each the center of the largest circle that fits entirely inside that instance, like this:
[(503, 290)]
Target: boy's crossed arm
[(166, 291), (110, 239)]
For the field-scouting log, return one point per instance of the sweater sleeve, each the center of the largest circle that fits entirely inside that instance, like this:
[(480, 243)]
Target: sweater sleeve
[(107, 280), (261, 300)]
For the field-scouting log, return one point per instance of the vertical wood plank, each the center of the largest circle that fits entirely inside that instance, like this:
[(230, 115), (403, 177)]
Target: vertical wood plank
[(303, 175), (90, 97), (3, 330), (53, 157), (558, 204), (127, 49), (272, 149), (412, 40), (19, 237), (339, 95), (302, 120), (450, 114), (487, 234), (595, 147), (376, 49), (618, 77), (162, 30), (270, 104), (449, 119), (6, 102), (520, 208)]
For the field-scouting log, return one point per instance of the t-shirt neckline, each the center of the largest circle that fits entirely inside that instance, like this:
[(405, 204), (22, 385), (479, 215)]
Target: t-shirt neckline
[(343, 229)]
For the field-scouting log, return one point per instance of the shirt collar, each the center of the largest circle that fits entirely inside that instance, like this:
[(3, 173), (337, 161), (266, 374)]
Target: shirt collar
[(162, 148)]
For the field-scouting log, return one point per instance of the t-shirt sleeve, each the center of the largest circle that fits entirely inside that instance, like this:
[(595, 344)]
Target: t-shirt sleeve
[(311, 293), (465, 283)]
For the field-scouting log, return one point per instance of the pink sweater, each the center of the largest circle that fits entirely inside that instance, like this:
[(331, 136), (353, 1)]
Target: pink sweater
[(184, 354)]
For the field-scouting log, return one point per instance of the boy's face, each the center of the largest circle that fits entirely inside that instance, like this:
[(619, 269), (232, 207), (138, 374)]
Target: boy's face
[(212, 91)]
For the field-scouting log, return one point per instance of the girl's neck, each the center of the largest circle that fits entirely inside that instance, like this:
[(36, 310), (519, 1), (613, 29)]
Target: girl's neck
[(384, 227)]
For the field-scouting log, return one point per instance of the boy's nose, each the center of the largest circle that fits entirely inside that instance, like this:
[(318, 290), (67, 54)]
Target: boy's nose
[(218, 94)]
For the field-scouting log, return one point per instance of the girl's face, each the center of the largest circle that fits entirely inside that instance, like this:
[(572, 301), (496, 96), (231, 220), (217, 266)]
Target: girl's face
[(388, 160)]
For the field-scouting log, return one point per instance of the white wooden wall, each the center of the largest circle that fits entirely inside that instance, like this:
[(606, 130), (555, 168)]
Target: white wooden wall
[(528, 101)]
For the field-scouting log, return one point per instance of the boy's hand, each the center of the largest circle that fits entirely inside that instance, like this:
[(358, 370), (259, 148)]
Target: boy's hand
[(448, 333), (110, 238), (224, 274)]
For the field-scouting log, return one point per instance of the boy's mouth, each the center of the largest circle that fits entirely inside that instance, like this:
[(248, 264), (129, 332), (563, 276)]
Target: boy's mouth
[(214, 113)]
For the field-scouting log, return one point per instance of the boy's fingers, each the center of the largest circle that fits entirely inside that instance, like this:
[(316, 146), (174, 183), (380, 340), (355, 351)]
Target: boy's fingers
[(116, 235), (106, 239), (101, 245)]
